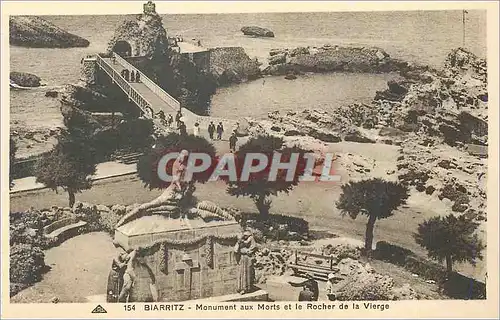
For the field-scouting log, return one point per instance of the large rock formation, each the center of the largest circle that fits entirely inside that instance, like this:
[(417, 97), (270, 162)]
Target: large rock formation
[(232, 65), (32, 31), (257, 31), (329, 59), (144, 36)]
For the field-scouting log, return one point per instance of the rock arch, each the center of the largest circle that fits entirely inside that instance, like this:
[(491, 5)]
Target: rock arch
[(123, 48)]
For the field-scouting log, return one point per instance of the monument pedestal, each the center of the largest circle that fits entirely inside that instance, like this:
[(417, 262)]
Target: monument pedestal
[(182, 259)]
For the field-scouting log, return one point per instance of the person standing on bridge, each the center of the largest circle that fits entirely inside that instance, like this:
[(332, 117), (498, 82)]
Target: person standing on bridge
[(220, 130), (211, 130)]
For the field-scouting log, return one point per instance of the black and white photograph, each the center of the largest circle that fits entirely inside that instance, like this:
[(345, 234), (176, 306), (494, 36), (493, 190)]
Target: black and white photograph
[(318, 157)]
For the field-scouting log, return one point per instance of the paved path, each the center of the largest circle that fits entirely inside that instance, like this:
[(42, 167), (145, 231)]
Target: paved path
[(104, 170)]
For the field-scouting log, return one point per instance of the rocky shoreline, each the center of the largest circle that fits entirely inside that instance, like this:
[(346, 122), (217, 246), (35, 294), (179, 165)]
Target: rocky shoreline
[(35, 32), (438, 118)]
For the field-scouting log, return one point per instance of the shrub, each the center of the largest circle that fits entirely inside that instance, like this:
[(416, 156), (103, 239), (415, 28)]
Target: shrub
[(26, 263), (276, 226), (108, 221)]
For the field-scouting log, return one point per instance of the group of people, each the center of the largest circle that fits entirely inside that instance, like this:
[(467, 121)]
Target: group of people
[(212, 129), (131, 76)]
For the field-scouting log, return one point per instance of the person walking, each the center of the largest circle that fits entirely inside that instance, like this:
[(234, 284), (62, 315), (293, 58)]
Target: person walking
[(232, 142), (196, 129), (182, 128), (220, 130), (178, 117), (211, 130)]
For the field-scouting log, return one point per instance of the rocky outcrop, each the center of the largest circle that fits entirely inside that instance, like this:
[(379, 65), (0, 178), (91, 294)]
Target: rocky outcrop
[(232, 65), (329, 59), (319, 124), (257, 32), (25, 79), (144, 36), (35, 32)]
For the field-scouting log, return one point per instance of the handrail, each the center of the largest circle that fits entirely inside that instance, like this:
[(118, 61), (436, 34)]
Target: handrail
[(171, 101), (125, 86)]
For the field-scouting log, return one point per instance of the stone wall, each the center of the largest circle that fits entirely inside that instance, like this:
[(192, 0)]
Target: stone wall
[(188, 265), (89, 70)]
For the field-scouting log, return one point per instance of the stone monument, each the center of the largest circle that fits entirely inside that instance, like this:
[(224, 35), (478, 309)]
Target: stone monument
[(180, 253)]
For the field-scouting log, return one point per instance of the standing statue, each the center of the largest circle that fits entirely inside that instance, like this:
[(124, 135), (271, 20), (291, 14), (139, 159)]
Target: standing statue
[(115, 278), (244, 249)]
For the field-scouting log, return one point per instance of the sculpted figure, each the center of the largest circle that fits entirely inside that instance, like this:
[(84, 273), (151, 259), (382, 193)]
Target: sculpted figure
[(245, 248), (115, 278), (139, 282), (128, 278), (168, 198)]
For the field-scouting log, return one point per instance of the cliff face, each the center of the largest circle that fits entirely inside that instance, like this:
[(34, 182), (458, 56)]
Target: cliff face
[(329, 59), (232, 65), (32, 31)]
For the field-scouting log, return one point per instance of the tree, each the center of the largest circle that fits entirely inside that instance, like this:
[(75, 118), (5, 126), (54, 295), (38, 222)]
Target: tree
[(375, 198), (173, 142), (451, 239), (259, 187), (69, 165), (12, 160)]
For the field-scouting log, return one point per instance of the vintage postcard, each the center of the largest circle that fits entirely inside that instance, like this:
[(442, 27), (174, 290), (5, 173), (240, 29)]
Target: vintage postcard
[(249, 159)]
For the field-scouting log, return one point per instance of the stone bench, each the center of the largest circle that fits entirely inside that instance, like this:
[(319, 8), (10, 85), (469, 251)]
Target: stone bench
[(66, 228)]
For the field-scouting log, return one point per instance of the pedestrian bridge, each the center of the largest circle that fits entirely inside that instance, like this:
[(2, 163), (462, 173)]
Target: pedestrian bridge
[(151, 98)]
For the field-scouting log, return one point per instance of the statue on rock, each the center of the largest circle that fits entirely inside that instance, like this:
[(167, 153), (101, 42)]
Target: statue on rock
[(149, 8), (146, 35)]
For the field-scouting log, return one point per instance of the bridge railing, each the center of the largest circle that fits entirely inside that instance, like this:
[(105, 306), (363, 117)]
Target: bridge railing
[(141, 102), (171, 101)]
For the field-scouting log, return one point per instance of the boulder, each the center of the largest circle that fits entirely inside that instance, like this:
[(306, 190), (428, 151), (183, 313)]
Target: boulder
[(25, 79), (51, 94), (277, 58), (257, 31), (35, 32)]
